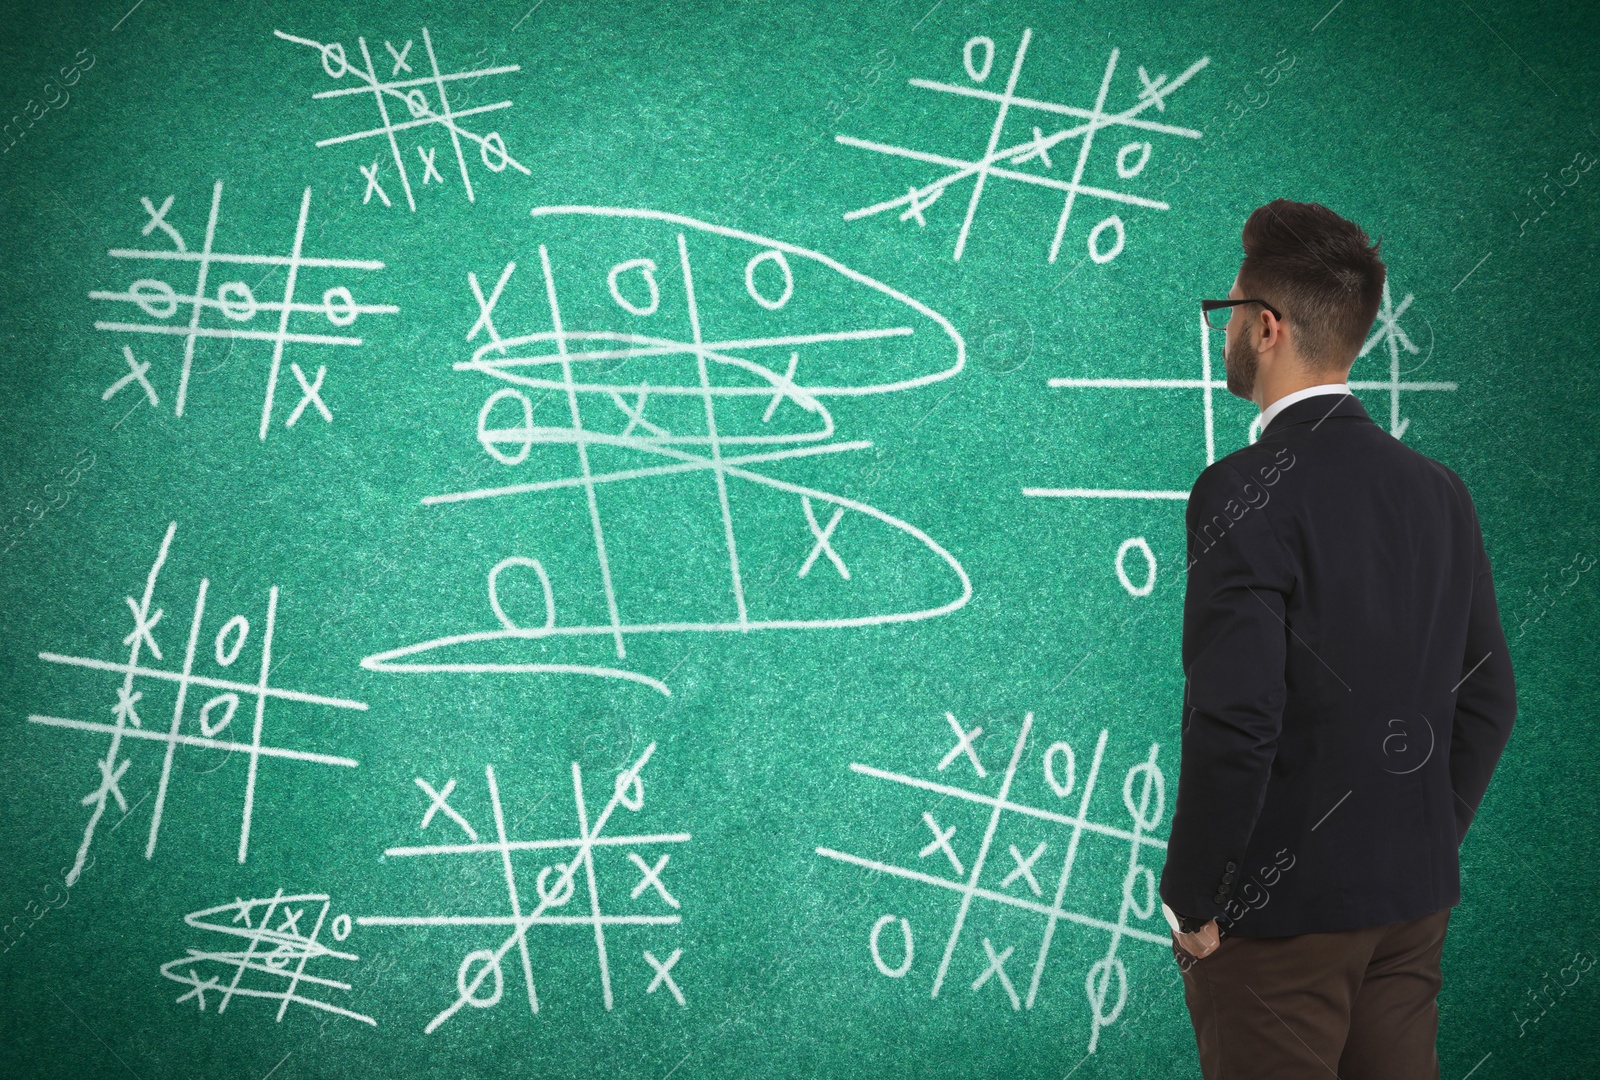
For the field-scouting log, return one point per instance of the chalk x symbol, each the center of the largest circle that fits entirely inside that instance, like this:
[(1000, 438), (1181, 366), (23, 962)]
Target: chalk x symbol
[(823, 535), (663, 976), (438, 800), (136, 373), (940, 842)]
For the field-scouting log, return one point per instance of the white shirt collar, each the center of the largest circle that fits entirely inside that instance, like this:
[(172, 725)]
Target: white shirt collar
[(1270, 413)]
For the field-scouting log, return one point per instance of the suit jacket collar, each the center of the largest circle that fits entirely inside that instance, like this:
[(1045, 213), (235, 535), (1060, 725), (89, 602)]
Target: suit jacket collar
[(1314, 410)]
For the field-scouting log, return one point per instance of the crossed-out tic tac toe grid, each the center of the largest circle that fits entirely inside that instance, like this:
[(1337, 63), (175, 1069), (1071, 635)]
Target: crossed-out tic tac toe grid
[(413, 94), (616, 443), (215, 716), (1106, 983), (1387, 333), (1131, 159), (272, 957), (236, 302), (554, 885)]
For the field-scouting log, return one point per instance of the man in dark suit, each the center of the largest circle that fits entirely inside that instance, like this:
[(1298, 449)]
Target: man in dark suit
[(1348, 692)]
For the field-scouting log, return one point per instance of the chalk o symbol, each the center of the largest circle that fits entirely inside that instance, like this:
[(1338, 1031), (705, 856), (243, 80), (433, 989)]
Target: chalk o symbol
[(630, 790), (1140, 873), (877, 957), (544, 584), (238, 626), (1061, 788), (1126, 171), (334, 52), (339, 306), (1112, 222), (1255, 428), (987, 45), (647, 270), (494, 142), (155, 298), (417, 102), (207, 728), (491, 439), (341, 927), (1130, 544), (469, 990), (1098, 986), (237, 301), (775, 256), (563, 891), (1153, 783)]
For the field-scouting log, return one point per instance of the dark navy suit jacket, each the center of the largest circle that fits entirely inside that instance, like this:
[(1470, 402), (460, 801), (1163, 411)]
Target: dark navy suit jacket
[(1348, 689)]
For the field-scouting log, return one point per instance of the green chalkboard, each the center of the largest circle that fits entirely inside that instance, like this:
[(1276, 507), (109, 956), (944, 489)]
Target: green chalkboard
[(646, 540)]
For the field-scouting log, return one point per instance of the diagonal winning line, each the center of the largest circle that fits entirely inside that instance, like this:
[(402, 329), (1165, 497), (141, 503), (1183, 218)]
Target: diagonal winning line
[(562, 884)]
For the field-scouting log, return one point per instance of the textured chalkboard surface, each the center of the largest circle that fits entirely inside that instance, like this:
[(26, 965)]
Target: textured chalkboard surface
[(658, 550)]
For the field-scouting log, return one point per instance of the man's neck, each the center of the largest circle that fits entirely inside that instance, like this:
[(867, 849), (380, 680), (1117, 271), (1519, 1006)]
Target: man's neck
[(1277, 381)]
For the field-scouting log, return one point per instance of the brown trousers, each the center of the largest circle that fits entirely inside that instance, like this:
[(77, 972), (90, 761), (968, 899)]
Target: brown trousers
[(1356, 1004)]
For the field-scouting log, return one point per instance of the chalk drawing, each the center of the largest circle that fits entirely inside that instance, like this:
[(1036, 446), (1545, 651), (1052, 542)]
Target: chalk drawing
[(1387, 331), (555, 885), (392, 92), (272, 963), (213, 718), (639, 406), (1000, 156), (1013, 882), (236, 303)]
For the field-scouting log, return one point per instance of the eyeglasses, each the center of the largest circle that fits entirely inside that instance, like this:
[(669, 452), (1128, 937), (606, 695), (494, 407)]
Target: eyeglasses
[(1218, 312)]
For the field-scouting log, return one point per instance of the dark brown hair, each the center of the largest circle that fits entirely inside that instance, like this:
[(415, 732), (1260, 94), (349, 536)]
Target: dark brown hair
[(1320, 270)]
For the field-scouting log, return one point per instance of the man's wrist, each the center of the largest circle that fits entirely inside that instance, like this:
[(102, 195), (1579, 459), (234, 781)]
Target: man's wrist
[(1183, 924)]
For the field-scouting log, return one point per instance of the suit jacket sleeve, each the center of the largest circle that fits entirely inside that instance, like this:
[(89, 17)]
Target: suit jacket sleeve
[(1486, 699), (1234, 647)]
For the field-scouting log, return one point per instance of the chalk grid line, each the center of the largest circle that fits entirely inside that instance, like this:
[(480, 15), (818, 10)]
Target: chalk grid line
[(995, 158), (550, 361), (411, 94), (480, 965), (266, 959), (1107, 978), (229, 642), (235, 301), (1387, 332)]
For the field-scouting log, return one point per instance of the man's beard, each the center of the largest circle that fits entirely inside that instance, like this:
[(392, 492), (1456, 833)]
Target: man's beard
[(1241, 361)]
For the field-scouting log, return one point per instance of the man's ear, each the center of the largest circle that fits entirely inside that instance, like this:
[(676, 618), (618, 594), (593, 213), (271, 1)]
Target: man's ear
[(1273, 330)]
